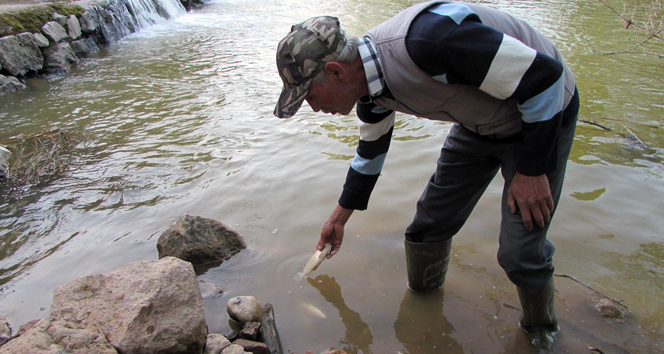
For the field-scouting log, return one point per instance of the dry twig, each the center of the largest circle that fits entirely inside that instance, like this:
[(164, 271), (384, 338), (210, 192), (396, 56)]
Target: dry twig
[(619, 302), (634, 135)]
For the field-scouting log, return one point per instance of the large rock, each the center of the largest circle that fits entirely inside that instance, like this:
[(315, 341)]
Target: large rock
[(20, 54), (199, 240), (58, 58), (54, 31), (144, 307), (50, 336), (10, 84)]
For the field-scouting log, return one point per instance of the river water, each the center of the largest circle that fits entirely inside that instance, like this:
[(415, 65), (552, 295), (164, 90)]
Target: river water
[(177, 118)]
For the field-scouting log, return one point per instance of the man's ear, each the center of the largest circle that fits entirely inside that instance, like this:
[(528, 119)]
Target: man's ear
[(334, 70)]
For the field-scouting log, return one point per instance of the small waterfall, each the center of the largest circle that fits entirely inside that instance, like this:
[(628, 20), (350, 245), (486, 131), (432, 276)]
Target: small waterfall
[(148, 12), (119, 18)]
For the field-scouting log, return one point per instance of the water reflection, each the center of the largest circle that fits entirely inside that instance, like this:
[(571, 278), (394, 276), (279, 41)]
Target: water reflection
[(358, 338), (421, 325)]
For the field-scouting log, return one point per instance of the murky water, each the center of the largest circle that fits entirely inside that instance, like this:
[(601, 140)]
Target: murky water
[(178, 119)]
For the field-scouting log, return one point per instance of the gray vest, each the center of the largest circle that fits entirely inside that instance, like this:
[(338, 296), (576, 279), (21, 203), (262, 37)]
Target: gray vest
[(417, 93)]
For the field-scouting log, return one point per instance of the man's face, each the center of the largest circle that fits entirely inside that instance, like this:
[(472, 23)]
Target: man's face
[(333, 98)]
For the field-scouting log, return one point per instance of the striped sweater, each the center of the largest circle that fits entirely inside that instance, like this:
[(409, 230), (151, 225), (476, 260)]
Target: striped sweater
[(454, 45)]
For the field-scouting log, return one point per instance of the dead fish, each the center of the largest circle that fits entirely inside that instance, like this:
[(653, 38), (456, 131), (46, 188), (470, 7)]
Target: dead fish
[(314, 310), (315, 260)]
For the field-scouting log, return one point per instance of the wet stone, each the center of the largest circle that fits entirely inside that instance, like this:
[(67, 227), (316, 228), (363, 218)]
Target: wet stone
[(609, 309)]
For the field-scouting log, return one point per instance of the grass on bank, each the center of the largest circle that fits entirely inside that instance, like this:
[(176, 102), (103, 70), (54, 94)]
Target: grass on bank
[(32, 18)]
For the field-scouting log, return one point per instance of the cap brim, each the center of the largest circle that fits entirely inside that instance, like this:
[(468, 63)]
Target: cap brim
[(291, 100)]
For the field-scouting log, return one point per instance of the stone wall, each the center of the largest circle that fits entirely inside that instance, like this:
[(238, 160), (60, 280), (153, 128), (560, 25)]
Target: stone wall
[(63, 40)]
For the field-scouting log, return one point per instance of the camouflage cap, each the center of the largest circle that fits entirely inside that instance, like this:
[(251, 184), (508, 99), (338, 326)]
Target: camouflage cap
[(301, 55)]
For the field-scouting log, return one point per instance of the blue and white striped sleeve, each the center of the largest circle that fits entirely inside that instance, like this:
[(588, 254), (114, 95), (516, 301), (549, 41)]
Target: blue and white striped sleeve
[(376, 127)]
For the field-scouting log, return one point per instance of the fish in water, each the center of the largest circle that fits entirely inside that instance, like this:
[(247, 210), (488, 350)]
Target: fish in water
[(314, 310), (315, 260)]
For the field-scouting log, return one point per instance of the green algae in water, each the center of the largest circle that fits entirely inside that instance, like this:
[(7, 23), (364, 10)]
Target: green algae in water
[(588, 196)]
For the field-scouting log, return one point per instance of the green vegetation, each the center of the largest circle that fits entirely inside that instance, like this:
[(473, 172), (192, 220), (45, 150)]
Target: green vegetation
[(32, 18), (40, 156)]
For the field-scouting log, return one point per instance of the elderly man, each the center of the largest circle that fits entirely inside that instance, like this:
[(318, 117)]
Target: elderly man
[(514, 104)]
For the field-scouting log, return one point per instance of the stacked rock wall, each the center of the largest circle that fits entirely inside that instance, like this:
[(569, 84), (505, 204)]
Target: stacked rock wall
[(62, 41)]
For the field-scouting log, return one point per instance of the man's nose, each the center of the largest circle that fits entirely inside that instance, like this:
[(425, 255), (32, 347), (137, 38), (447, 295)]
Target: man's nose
[(316, 107)]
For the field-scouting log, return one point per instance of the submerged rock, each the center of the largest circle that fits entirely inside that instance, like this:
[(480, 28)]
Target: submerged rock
[(609, 309), (9, 84), (199, 240), (209, 290)]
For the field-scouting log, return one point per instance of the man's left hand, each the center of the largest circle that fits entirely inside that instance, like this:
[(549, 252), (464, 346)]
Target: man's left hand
[(531, 195)]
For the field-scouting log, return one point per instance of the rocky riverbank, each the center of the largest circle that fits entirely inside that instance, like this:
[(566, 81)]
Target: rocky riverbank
[(47, 39), (152, 307)]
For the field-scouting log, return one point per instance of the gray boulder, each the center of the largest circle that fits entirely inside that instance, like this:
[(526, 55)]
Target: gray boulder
[(199, 240), (84, 47), (144, 307), (54, 31), (10, 84), (58, 58), (20, 54), (73, 27)]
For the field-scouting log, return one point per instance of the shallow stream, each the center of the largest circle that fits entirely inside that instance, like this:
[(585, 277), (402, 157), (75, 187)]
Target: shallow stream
[(177, 118)]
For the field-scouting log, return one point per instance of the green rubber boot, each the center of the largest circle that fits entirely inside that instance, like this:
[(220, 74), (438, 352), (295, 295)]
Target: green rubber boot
[(539, 319), (427, 264)]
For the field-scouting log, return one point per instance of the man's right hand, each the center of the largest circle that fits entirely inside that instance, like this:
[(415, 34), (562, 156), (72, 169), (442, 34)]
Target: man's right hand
[(333, 230)]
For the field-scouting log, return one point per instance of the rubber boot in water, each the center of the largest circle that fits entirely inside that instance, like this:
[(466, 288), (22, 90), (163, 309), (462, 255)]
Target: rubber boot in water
[(427, 264), (539, 319)]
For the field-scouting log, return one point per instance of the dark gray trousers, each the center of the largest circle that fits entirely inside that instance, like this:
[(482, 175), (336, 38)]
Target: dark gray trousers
[(467, 164)]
